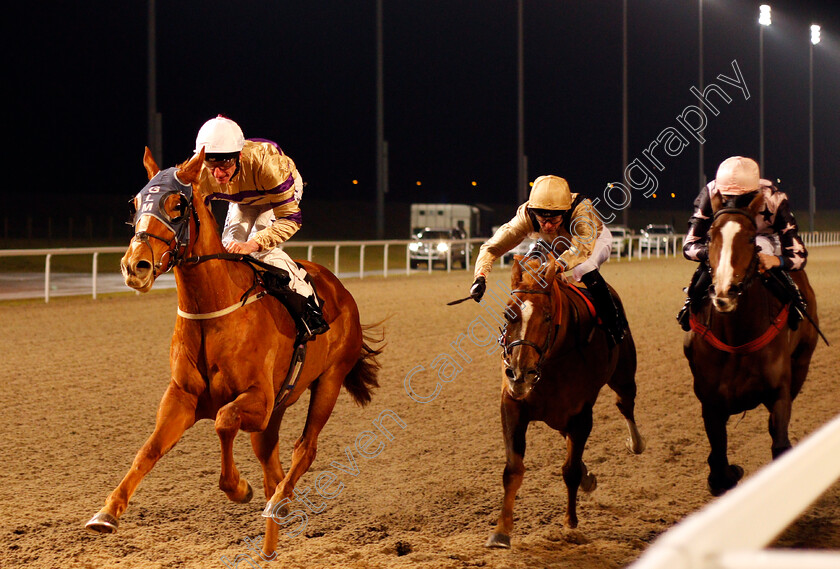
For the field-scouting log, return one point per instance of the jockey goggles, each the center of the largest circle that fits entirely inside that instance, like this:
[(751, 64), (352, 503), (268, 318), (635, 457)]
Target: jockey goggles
[(223, 163), (547, 213)]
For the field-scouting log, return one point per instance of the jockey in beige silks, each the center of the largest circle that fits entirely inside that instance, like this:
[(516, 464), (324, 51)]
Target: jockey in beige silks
[(568, 226), (264, 189)]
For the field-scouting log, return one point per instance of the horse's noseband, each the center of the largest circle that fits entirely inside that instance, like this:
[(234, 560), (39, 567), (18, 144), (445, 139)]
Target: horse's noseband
[(541, 350)]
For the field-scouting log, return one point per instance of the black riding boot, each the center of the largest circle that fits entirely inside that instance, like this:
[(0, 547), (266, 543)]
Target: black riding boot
[(697, 290), (613, 320), (778, 281), (305, 311)]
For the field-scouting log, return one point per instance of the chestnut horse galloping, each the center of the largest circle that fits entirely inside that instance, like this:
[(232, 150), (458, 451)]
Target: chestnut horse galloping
[(554, 363), (740, 349), (232, 346)]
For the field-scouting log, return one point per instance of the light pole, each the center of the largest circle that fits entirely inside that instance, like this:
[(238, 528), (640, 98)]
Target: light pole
[(521, 160), (702, 175), (812, 198), (764, 21), (625, 130)]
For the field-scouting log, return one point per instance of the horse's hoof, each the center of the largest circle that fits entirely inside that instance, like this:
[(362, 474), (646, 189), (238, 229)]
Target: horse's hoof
[(498, 541), (272, 511), (734, 473), (636, 448), (589, 482), (103, 522), (248, 495)]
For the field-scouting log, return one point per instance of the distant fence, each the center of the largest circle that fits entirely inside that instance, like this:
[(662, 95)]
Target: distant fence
[(634, 247)]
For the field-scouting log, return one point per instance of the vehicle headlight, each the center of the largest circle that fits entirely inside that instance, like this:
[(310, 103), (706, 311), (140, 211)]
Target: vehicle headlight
[(442, 247), (414, 247)]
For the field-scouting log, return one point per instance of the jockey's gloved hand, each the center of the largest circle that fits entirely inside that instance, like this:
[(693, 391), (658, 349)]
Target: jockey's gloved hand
[(477, 289)]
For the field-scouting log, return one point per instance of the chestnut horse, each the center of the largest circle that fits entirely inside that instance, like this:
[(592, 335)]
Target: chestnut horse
[(232, 346), (740, 349), (554, 363)]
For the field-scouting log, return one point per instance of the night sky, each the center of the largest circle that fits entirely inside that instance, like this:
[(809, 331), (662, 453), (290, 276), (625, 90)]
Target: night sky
[(303, 74)]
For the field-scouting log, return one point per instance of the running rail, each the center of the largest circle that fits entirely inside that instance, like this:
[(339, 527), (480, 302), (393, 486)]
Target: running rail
[(731, 532)]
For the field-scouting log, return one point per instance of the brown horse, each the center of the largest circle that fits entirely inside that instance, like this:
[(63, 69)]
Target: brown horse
[(232, 346), (554, 363), (740, 349)]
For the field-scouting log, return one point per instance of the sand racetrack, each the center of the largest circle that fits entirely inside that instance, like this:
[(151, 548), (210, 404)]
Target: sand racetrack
[(82, 379)]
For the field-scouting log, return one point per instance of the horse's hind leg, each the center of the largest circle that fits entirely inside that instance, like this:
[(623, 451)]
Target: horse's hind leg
[(722, 475), (623, 383), (574, 470), (514, 428), (176, 414)]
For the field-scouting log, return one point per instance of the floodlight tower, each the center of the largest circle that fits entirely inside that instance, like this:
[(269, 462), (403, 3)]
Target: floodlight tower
[(812, 198), (764, 20)]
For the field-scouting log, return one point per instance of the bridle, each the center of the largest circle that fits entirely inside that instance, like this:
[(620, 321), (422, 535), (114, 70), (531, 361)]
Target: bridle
[(541, 350), (751, 270), (150, 202)]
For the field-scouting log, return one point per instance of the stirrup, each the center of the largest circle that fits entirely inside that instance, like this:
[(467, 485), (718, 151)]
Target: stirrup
[(311, 321)]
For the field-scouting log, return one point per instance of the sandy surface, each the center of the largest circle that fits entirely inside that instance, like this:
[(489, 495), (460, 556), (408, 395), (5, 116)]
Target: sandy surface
[(81, 382)]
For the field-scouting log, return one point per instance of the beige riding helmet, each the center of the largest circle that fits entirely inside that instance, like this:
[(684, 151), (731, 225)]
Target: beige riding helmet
[(737, 176), (550, 192)]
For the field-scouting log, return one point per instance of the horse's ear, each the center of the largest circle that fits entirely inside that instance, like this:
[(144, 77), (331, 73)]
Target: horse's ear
[(150, 164), (516, 270), (717, 201), (550, 271), (189, 171), (756, 204)]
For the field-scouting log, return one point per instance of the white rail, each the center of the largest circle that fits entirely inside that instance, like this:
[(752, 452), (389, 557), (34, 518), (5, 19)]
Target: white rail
[(730, 532), (673, 248)]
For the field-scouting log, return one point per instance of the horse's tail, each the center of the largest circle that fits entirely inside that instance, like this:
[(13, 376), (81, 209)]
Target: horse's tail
[(361, 380)]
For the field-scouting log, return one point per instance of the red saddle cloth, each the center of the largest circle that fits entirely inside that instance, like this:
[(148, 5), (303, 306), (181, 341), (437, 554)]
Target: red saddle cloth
[(585, 295)]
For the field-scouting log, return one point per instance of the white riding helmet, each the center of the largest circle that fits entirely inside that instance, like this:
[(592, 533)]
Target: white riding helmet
[(737, 176), (550, 193), (220, 136)]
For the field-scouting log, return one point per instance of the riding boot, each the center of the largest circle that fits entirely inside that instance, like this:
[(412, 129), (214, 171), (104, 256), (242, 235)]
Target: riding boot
[(305, 311), (696, 292), (779, 282), (612, 318)]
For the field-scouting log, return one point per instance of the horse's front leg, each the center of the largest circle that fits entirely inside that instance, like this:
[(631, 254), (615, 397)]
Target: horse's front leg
[(574, 470), (248, 411), (780, 420), (722, 475), (514, 429), (176, 414)]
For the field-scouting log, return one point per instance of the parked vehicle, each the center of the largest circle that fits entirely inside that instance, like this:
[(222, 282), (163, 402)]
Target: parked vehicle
[(522, 249), (660, 237), (621, 242), (436, 244), (464, 217)]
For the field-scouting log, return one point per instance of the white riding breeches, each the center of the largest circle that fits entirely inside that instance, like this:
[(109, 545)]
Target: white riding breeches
[(767, 245), (242, 222), (600, 253)]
